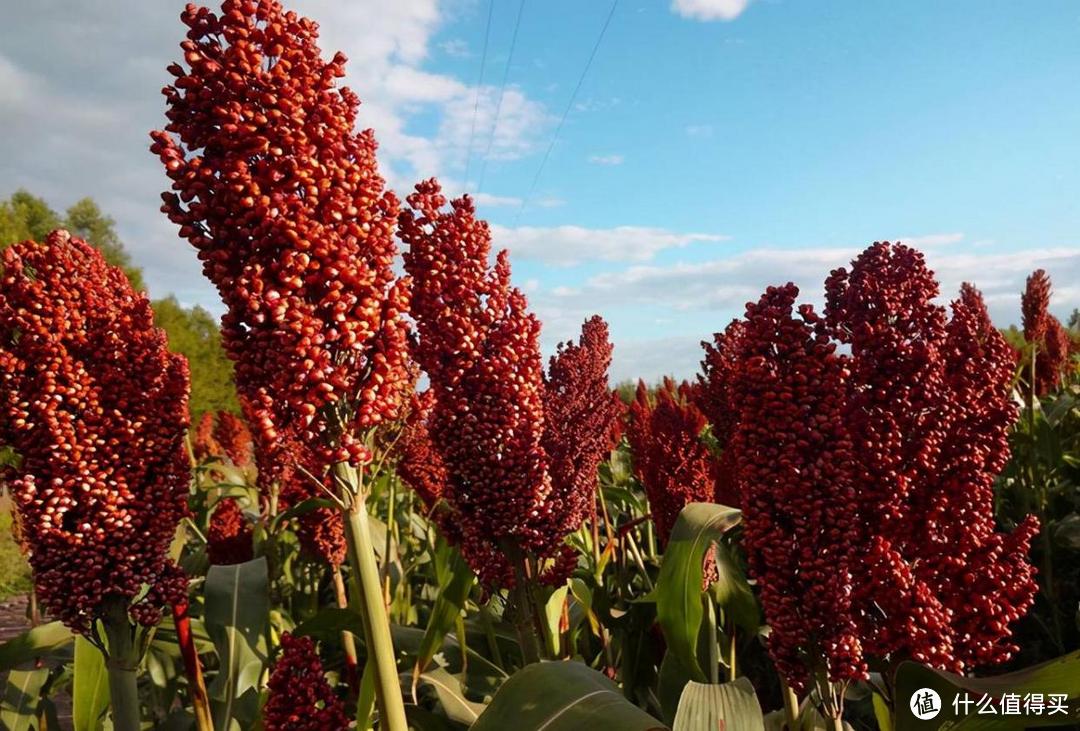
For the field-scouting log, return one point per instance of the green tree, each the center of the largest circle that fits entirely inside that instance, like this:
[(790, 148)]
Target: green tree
[(194, 332), (25, 216)]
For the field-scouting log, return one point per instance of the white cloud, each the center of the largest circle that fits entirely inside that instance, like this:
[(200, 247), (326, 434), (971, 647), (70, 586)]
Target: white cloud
[(709, 9), (726, 284), (606, 159), (67, 135), (490, 201), (455, 47), (568, 245), (699, 130)]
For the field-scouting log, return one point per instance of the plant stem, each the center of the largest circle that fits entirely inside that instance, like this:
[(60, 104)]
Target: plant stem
[(488, 623), (200, 701), (791, 706), (122, 664), (522, 609), (1041, 489), (348, 643), (380, 646), (714, 650)]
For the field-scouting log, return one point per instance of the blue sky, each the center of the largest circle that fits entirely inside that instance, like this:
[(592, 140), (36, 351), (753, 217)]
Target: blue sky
[(714, 147)]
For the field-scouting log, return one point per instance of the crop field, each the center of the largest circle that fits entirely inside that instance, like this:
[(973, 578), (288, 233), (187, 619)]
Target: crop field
[(364, 497)]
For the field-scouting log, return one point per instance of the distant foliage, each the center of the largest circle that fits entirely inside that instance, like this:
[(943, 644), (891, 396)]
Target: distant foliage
[(194, 332)]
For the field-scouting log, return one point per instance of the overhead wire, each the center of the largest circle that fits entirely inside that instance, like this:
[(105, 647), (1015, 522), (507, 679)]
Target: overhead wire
[(479, 88), (499, 102), (566, 112)]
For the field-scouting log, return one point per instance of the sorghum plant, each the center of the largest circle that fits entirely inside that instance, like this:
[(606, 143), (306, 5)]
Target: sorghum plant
[(282, 199), (300, 698), (96, 407), (520, 450), (894, 446), (1047, 341)]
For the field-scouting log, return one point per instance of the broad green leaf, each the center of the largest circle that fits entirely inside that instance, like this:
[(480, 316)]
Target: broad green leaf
[(328, 624), (90, 691), (562, 696), (731, 705), (40, 642), (678, 588), (451, 694), (732, 591), (482, 676), (453, 593), (236, 617), (21, 696), (424, 720), (553, 609), (1060, 676)]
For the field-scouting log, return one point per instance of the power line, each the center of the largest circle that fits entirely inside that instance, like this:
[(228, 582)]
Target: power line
[(569, 106), (479, 86), (498, 104)]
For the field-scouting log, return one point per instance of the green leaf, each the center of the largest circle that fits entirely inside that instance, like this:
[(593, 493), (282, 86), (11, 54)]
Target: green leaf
[(553, 609), (328, 624), (451, 694), (1060, 676), (21, 696), (732, 591), (453, 593), (678, 588), (731, 705), (40, 642), (90, 691), (236, 617), (562, 696)]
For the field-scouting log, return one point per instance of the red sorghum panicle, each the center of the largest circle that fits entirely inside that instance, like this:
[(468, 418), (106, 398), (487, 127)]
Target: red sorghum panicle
[(300, 698), (96, 406), (671, 461), (284, 203), (204, 446), (715, 396), (580, 411), (419, 463), (1053, 357), (793, 458), (228, 540), (321, 531), (232, 434), (960, 542), (1048, 341), (912, 425), (1034, 306), (478, 345)]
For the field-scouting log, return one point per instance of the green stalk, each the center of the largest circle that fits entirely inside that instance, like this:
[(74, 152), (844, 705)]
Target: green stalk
[(523, 610), (1047, 568), (380, 646), (122, 664), (791, 706), (714, 650)]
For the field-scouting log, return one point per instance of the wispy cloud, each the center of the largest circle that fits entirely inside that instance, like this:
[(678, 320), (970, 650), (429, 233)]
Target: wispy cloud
[(569, 245), (455, 47), (606, 159), (710, 9)]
